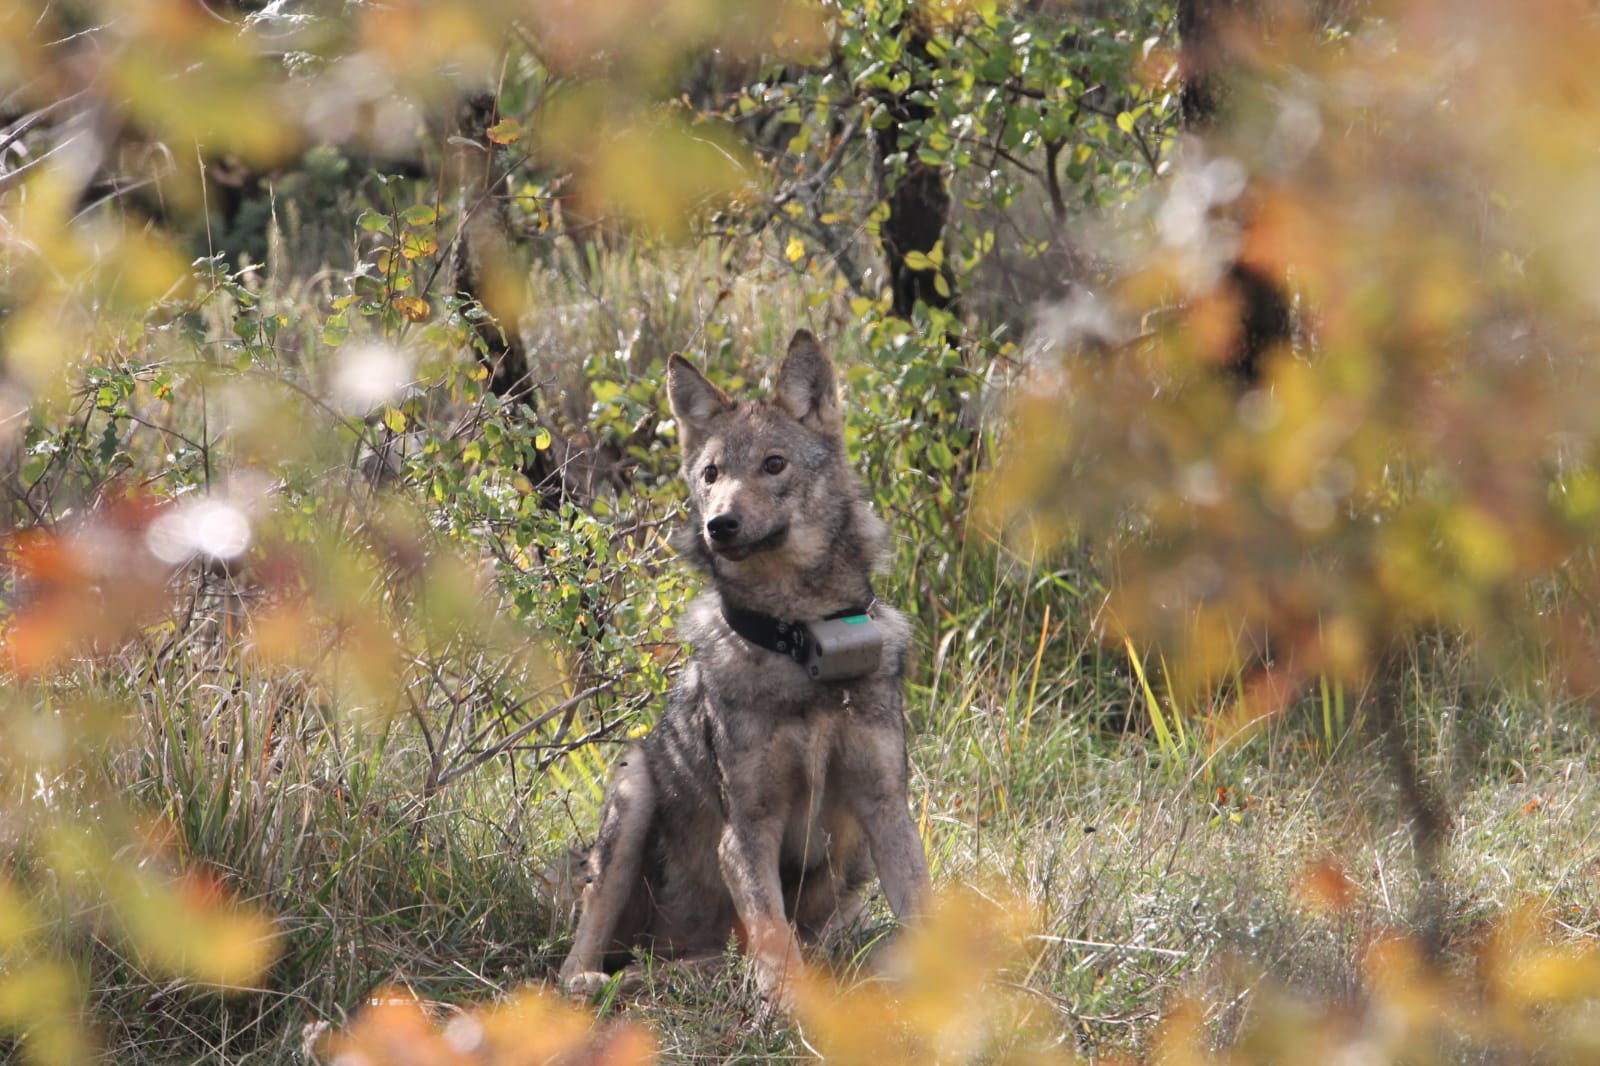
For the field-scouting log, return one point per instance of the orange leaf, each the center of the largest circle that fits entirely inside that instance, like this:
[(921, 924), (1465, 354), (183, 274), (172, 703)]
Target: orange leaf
[(506, 131), (1326, 887), (414, 308)]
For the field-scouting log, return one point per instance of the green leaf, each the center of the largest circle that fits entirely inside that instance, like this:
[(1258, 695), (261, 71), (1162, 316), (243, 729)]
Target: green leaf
[(420, 215), (335, 330), (1125, 121)]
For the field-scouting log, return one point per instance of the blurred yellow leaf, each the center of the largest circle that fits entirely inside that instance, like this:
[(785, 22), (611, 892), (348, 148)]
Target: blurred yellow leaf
[(1554, 975), (1212, 326), (1529, 973), (44, 998), (654, 169), (142, 268), (222, 942), (17, 917), (532, 1026), (413, 307), (187, 925), (393, 1029), (1414, 991), (1485, 552), (37, 639), (280, 632), (951, 1005), (412, 37), (503, 288), (213, 89), (1181, 1038)]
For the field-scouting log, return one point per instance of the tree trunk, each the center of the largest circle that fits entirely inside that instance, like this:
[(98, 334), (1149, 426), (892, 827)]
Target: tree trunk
[(482, 265), (1200, 26), (919, 202), (1266, 319), (1421, 801)]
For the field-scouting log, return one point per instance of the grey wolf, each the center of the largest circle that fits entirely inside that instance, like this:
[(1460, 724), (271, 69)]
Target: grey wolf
[(775, 781)]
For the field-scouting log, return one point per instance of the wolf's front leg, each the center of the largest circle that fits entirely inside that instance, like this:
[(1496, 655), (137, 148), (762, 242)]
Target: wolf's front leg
[(616, 862), (878, 798), (898, 854), (748, 854)]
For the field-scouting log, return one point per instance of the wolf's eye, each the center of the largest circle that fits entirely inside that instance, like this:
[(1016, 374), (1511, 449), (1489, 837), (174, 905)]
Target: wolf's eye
[(774, 464), (709, 473)]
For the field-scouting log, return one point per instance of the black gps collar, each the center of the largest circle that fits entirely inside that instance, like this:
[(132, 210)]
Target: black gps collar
[(846, 644)]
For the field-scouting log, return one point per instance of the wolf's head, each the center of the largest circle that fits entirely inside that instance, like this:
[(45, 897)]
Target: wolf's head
[(773, 505)]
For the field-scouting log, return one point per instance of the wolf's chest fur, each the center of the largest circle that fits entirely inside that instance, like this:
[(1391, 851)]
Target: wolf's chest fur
[(746, 726)]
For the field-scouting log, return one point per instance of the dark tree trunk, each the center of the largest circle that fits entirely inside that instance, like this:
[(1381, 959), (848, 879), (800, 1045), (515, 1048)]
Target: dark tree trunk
[(919, 206), (1421, 801), (919, 202), (1200, 24), (1266, 319), (483, 248), (484, 264)]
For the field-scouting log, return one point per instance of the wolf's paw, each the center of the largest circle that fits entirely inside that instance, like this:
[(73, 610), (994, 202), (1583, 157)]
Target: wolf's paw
[(776, 991), (777, 1003), (583, 984)]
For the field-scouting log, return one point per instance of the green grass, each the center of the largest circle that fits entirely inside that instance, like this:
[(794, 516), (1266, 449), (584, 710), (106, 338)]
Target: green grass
[(1160, 863)]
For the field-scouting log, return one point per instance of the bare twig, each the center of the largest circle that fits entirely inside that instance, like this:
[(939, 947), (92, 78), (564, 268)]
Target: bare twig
[(522, 732)]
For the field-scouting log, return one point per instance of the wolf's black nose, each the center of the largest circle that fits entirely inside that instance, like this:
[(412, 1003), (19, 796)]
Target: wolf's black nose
[(722, 526)]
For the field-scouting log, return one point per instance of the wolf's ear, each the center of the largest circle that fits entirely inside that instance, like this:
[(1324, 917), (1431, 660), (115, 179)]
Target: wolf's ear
[(694, 400), (806, 390)]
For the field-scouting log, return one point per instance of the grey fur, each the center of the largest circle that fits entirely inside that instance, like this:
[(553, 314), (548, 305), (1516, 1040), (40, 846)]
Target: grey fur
[(762, 801)]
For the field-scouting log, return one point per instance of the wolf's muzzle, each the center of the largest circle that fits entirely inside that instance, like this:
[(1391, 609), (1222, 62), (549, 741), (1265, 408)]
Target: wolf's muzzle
[(723, 536)]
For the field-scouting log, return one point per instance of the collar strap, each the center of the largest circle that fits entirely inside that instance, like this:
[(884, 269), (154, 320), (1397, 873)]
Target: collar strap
[(778, 634)]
